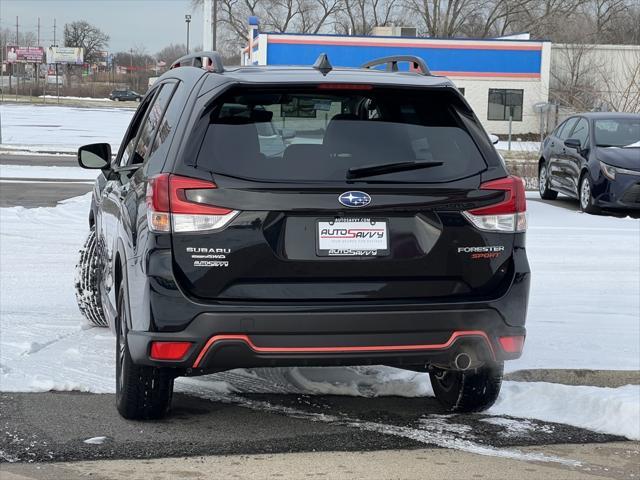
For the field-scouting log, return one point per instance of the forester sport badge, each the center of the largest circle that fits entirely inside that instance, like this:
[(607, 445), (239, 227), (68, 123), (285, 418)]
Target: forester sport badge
[(354, 199)]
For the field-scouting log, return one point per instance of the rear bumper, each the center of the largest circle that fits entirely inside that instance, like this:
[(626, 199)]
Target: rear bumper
[(411, 335), (400, 338)]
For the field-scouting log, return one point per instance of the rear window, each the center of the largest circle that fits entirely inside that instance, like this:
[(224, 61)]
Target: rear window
[(318, 135)]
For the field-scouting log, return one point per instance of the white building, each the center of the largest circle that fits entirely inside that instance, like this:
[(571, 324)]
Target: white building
[(498, 77)]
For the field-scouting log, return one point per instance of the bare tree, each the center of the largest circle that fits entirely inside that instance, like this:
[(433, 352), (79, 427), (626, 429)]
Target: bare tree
[(317, 15), (358, 17), (564, 21), (171, 53), (500, 16), (621, 92), (574, 76), (605, 12), (548, 18), (443, 18), (83, 34), (8, 37)]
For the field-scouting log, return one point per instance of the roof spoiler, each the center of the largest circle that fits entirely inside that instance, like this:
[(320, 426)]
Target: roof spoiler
[(195, 59), (392, 63)]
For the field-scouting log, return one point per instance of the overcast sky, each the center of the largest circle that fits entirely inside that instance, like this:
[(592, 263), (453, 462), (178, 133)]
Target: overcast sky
[(149, 23)]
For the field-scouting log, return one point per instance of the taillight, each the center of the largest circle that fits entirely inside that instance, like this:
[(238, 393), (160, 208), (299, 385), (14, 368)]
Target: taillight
[(169, 208), (509, 215)]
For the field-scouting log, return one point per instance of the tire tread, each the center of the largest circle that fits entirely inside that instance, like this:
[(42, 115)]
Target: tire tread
[(86, 283)]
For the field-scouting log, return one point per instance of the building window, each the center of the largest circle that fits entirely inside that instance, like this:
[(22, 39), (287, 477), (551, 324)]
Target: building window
[(503, 101)]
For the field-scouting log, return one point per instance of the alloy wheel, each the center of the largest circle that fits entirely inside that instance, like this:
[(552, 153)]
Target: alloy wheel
[(585, 193), (121, 343), (542, 176)]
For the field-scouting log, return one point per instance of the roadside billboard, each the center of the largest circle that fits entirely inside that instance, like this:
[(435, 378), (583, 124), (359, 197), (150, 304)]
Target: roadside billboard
[(72, 55), (103, 58), (17, 54)]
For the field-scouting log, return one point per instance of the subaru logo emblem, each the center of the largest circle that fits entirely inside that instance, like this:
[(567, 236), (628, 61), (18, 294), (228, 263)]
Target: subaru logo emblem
[(354, 199)]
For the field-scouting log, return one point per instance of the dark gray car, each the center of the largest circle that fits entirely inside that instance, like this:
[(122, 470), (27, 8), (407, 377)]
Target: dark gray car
[(125, 96)]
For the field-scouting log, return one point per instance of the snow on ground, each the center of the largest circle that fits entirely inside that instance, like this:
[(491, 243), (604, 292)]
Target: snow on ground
[(584, 303), (54, 128), (55, 97), (95, 440), (62, 128), (518, 146), (28, 171), (583, 313)]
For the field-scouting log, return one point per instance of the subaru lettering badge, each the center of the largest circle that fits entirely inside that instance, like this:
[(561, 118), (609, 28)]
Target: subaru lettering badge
[(354, 199)]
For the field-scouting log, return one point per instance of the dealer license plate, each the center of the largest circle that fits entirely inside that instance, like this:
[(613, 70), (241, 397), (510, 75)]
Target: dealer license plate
[(352, 237)]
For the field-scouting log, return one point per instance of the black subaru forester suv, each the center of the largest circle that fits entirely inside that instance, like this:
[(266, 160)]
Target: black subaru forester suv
[(384, 230)]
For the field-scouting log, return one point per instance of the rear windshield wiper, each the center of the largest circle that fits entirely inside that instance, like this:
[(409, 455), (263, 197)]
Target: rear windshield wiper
[(372, 170)]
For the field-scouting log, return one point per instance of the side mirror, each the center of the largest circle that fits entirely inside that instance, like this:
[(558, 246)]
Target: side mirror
[(573, 143), (287, 133), (494, 138), (95, 156)]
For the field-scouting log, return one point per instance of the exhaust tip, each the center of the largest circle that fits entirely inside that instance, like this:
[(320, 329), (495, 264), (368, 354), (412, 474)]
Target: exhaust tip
[(462, 361)]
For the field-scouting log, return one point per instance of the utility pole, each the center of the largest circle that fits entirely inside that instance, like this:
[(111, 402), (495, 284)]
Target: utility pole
[(214, 24), (131, 65), (2, 75), (55, 62), (210, 16), (36, 66), (13, 68)]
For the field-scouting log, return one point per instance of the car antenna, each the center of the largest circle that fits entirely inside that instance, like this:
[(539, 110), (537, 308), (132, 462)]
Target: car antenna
[(322, 64)]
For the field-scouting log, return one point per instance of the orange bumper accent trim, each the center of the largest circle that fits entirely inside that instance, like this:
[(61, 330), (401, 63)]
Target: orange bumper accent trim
[(347, 349)]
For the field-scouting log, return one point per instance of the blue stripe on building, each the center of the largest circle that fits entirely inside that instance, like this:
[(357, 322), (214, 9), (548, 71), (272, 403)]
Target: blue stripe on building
[(438, 59)]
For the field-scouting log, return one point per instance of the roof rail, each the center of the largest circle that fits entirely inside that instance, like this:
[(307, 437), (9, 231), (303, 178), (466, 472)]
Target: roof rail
[(195, 60), (392, 63)]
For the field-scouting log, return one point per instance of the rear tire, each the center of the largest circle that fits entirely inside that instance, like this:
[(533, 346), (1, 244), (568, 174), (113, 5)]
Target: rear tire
[(543, 183), (87, 283), (468, 391), (142, 392)]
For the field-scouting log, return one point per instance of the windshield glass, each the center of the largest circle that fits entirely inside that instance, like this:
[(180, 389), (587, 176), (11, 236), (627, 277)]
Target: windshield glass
[(315, 134), (618, 132)]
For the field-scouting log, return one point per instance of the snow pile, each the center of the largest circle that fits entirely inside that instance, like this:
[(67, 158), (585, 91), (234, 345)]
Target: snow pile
[(607, 410), (44, 344)]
